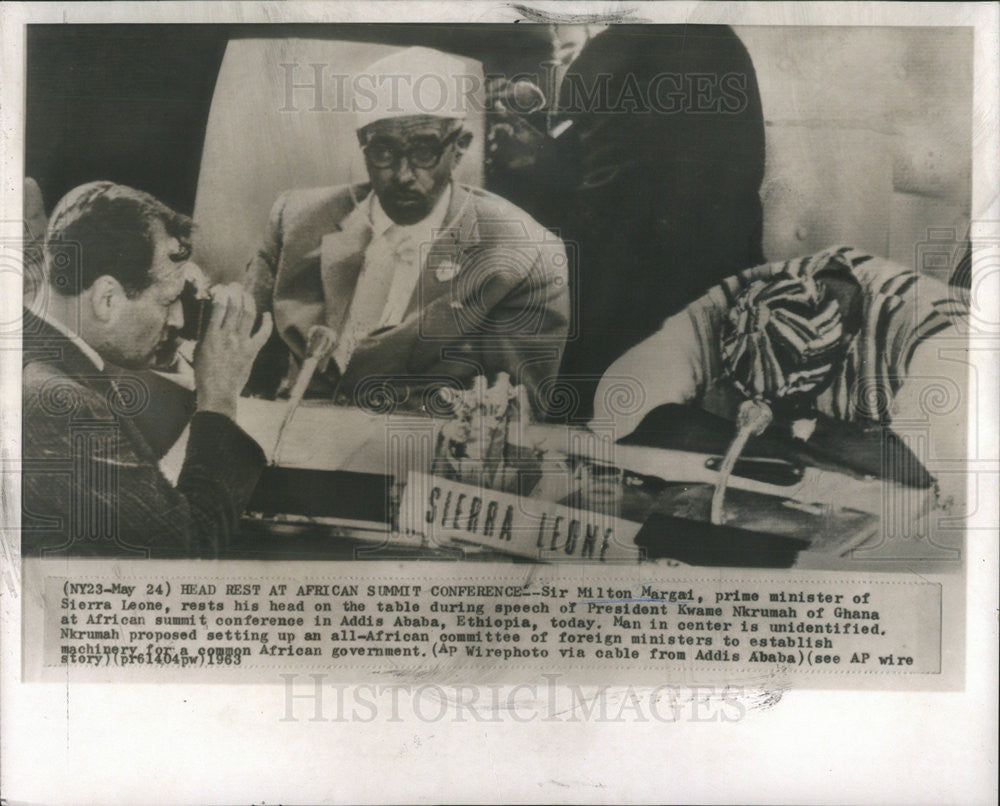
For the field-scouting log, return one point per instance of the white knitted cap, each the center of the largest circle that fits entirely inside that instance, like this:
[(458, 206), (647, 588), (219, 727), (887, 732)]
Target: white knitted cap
[(412, 81)]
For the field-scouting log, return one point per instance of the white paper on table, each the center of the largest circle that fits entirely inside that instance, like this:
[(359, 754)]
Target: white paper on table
[(319, 437)]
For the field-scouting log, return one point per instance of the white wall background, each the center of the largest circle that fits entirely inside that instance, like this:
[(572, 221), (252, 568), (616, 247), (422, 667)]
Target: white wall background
[(869, 136)]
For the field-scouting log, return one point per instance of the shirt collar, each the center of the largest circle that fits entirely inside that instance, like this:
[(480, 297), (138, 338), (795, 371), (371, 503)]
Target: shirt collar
[(75, 338), (433, 221)]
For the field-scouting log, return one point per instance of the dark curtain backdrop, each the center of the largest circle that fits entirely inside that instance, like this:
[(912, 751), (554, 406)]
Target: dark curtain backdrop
[(125, 103)]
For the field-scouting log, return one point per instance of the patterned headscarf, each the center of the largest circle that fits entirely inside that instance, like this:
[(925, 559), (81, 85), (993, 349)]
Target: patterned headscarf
[(785, 337)]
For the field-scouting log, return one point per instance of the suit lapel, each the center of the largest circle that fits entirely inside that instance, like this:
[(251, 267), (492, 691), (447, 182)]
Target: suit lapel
[(341, 259), (446, 255), (42, 342), (151, 411)]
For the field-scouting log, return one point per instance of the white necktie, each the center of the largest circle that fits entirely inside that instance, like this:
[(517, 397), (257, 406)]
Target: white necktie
[(387, 254)]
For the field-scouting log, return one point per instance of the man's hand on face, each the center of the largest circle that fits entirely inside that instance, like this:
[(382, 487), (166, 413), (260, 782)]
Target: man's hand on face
[(226, 352)]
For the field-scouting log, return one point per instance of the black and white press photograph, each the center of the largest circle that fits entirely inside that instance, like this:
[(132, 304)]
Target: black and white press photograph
[(527, 292), (499, 402)]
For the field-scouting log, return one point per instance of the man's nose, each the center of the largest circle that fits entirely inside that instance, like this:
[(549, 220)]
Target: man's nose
[(404, 171), (175, 315)]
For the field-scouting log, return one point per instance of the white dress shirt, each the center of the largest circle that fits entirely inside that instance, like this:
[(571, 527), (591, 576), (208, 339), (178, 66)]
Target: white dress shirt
[(389, 275)]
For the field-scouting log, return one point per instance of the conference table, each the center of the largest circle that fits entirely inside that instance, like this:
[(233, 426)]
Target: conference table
[(334, 486)]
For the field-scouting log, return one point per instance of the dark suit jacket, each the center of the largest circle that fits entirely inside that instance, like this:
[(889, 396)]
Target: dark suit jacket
[(661, 204), (90, 480), (492, 296)]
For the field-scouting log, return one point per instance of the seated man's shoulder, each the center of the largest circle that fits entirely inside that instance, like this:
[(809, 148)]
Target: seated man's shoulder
[(884, 279), (877, 276), (304, 204), (41, 372), (498, 218), (47, 391)]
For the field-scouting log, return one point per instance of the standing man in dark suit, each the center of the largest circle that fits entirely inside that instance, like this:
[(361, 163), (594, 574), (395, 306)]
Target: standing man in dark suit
[(651, 166), (424, 282), (116, 262)]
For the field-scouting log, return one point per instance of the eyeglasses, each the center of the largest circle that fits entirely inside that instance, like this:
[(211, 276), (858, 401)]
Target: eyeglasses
[(425, 154)]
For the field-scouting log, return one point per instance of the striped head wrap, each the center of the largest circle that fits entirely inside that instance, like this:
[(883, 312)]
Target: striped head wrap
[(785, 337)]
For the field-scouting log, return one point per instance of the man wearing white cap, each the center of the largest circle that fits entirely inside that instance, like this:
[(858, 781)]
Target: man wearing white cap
[(423, 281)]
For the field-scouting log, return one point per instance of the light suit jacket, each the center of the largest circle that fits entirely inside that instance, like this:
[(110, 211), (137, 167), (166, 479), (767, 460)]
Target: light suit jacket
[(493, 295)]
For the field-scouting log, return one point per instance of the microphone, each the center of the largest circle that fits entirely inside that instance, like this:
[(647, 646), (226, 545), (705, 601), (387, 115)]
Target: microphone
[(321, 343)]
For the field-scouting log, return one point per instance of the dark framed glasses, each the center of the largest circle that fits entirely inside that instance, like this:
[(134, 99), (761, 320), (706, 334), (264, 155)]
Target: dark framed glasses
[(424, 154)]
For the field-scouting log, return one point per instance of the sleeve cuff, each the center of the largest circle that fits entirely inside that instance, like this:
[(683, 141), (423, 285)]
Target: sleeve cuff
[(219, 446)]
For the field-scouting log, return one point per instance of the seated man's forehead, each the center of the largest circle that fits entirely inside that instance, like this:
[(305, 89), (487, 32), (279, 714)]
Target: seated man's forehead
[(412, 126)]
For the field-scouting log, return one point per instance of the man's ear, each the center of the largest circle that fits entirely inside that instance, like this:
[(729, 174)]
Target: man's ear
[(106, 297)]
